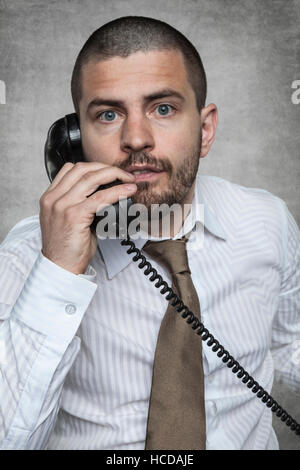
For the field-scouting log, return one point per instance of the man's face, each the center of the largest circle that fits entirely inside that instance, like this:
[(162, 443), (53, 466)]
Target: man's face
[(139, 113)]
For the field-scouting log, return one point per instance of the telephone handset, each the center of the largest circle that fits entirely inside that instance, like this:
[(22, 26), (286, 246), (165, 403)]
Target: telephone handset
[(63, 145)]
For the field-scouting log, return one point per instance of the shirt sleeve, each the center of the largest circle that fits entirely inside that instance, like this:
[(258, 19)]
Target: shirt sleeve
[(39, 317), (286, 325)]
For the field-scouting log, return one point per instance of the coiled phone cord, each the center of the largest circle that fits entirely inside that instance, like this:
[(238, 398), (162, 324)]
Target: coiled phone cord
[(234, 365)]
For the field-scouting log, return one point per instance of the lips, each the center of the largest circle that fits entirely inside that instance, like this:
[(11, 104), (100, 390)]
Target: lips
[(137, 169), (144, 172)]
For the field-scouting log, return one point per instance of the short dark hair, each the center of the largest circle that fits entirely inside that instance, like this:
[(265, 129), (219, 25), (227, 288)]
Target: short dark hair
[(124, 36)]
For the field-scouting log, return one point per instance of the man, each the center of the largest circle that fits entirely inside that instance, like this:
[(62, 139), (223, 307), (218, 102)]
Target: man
[(80, 322)]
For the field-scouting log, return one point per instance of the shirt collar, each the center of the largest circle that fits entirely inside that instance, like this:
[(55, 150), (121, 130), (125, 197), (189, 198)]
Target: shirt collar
[(115, 255)]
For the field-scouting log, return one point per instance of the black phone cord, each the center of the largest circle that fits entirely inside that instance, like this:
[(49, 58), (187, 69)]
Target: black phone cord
[(204, 333)]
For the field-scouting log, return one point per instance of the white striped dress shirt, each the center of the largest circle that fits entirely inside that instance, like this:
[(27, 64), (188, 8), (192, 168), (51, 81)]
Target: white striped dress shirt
[(76, 351)]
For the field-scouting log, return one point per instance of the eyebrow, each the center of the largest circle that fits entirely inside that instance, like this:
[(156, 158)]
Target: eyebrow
[(164, 93)]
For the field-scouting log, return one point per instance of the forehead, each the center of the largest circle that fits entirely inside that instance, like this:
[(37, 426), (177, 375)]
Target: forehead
[(134, 76)]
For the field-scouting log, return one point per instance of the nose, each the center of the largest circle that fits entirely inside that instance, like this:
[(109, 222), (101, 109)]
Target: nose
[(137, 134)]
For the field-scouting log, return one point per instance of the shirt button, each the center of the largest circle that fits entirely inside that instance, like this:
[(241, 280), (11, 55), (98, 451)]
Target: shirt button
[(70, 309)]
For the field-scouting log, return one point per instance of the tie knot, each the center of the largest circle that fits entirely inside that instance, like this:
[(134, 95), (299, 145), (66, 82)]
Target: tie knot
[(170, 253)]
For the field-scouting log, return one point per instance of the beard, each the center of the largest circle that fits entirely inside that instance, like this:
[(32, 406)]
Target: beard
[(180, 178)]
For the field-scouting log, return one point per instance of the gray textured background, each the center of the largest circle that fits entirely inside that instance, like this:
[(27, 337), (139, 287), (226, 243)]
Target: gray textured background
[(251, 52)]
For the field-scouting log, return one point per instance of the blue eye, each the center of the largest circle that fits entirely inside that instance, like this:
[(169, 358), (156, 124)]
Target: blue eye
[(164, 109), (110, 116)]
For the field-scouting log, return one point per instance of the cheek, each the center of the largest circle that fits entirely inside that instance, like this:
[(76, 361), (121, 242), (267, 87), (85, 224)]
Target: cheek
[(178, 140), (95, 147)]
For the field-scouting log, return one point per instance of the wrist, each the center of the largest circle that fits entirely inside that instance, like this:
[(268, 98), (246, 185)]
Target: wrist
[(74, 269)]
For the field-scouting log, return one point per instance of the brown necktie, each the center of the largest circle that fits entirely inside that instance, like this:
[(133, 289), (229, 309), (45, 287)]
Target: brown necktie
[(176, 417)]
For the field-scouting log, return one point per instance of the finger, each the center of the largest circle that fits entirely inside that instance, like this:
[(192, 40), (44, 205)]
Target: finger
[(107, 197), (62, 172), (72, 173), (90, 182)]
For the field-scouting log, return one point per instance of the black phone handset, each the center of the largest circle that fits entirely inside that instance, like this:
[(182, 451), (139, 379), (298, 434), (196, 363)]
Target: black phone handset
[(63, 145)]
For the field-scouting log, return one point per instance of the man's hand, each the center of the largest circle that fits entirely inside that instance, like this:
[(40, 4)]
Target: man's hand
[(67, 210)]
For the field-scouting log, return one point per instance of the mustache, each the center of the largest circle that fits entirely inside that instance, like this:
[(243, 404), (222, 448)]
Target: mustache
[(143, 157)]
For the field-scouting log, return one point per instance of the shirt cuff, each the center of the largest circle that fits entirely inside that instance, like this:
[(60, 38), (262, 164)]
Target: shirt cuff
[(54, 300)]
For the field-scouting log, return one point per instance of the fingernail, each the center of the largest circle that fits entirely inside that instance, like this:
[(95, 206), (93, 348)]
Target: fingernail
[(130, 174), (130, 187)]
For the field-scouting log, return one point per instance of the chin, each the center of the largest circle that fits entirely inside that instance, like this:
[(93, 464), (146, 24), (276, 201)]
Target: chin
[(148, 197)]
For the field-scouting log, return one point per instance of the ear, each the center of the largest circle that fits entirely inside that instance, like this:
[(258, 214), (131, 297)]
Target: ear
[(209, 121)]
